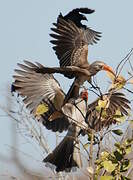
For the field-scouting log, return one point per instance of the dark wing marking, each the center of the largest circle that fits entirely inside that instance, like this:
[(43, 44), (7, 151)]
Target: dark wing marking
[(117, 101)]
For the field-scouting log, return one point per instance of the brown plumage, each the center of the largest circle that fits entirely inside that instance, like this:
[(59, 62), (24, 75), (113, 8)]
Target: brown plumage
[(67, 154), (71, 43), (36, 89), (116, 101), (39, 88), (76, 16), (71, 46)]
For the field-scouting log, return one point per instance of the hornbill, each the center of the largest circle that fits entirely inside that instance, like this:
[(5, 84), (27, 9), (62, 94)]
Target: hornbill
[(71, 47), (37, 88), (67, 154), (43, 89)]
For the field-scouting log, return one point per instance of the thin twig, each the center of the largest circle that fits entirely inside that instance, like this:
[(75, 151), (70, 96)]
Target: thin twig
[(125, 59), (91, 152)]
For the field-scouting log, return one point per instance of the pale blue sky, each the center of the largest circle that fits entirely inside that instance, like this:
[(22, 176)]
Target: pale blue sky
[(24, 34)]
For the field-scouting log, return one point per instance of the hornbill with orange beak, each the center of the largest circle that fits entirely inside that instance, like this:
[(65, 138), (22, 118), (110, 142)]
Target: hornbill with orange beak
[(43, 89), (71, 47)]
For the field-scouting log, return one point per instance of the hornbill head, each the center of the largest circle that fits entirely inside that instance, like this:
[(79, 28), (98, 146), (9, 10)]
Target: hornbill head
[(98, 66), (84, 95)]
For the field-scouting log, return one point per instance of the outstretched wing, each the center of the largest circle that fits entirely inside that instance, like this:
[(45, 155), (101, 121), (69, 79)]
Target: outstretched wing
[(71, 42), (76, 16), (97, 119), (35, 87), (42, 95)]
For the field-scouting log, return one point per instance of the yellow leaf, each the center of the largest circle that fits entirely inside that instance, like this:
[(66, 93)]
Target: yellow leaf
[(104, 155), (119, 82), (41, 109), (86, 145), (106, 178), (98, 108), (109, 166), (102, 103), (104, 114), (120, 79), (118, 112), (119, 117)]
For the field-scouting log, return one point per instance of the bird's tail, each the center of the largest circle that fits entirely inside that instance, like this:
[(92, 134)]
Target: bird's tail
[(66, 155)]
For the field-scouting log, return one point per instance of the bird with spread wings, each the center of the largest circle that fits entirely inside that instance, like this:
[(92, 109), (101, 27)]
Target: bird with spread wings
[(71, 40), (44, 97), (44, 90)]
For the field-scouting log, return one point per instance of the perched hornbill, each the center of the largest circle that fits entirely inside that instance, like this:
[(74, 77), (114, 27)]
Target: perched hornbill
[(67, 154), (43, 89), (40, 89)]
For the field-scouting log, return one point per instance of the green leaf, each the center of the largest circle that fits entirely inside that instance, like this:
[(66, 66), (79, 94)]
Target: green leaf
[(129, 141), (86, 145), (118, 113), (89, 137), (124, 178), (118, 155), (117, 132), (109, 166), (104, 114), (128, 149), (98, 108), (117, 145), (125, 165), (106, 178), (120, 119), (102, 103)]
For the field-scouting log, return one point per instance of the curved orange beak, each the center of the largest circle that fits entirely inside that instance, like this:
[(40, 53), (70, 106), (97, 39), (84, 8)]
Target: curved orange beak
[(109, 69)]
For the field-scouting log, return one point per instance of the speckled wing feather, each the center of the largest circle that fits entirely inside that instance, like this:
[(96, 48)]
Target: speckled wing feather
[(40, 89), (117, 101), (71, 42)]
